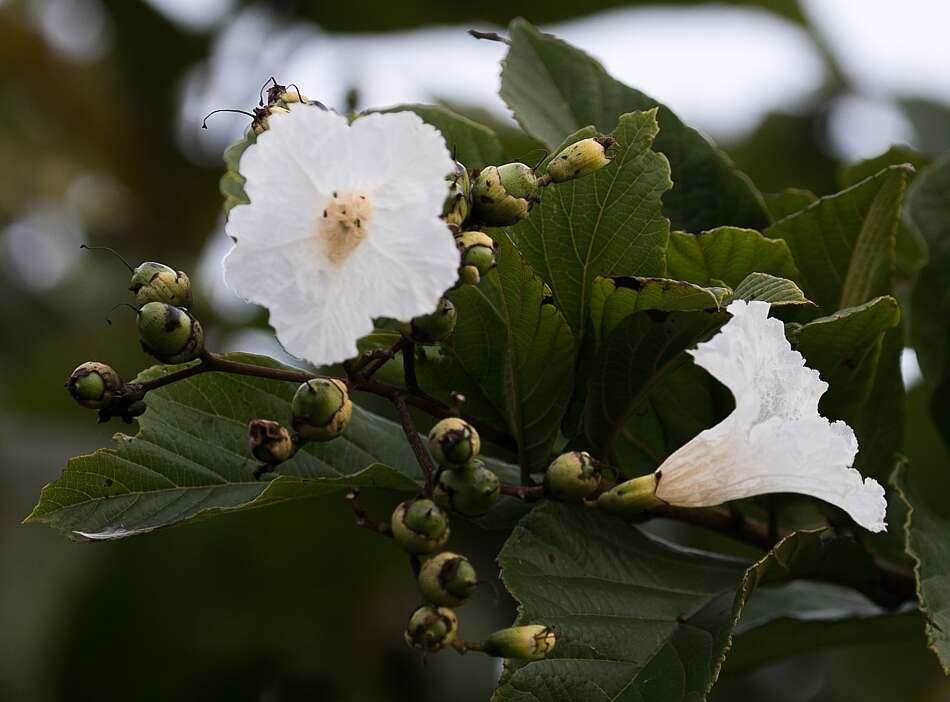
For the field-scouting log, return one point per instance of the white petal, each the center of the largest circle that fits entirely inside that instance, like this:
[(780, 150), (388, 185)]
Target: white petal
[(775, 440)]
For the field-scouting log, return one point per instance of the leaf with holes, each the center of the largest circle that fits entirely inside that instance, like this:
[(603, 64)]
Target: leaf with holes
[(189, 460)]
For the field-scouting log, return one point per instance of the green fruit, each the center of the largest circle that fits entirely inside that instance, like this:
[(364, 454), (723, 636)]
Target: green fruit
[(432, 328), (270, 442), (454, 442), (471, 490), (169, 333), (580, 159), (571, 477), (477, 249), (447, 579), (156, 282), (469, 275), (321, 409), (94, 385), (432, 628), (503, 195), (420, 526), (532, 642), (458, 202)]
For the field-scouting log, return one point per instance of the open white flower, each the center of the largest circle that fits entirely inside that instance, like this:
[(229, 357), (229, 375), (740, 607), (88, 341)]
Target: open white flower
[(774, 440), (343, 226)]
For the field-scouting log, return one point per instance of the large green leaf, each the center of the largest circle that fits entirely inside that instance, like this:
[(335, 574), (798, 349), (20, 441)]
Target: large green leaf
[(769, 288), (513, 354), (637, 619), (843, 244), (727, 254), (554, 89), (928, 205), (926, 531), (788, 202), (189, 460), (474, 144), (633, 414), (608, 223)]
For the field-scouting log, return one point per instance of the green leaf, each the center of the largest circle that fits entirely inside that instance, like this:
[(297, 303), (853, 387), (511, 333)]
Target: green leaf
[(514, 353), (928, 207), (910, 248), (633, 415), (846, 349), (608, 223), (769, 288), (926, 532), (473, 144), (930, 120), (637, 619), (554, 89), (189, 460), (788, 202), (843, 244), (727, 254)]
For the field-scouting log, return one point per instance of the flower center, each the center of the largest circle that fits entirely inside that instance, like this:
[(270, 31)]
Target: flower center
[(343, 224)]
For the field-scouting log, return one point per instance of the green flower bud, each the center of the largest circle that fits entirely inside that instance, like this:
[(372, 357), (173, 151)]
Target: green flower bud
[(420, 526), (571, 477), (94, 385), (322, 409), (632, 496), (469, 275), (471, 490), (503, 195), (477, 249), (432, 628), (580, 159), (432, 328), (156, 282), (169, 333), (447, 579), (454, 442), (532, 642), (270, 442), (458, 202)]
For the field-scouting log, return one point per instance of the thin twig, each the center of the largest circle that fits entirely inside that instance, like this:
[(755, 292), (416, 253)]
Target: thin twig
[(409, 429), (363, 519), (528, 493), (488, 36)]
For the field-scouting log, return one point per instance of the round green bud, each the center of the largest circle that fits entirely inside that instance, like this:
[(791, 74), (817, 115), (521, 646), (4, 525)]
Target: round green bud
[(156, 282), (432, 628), (580, 159), (454, 442), (93, 385), (169, 333), (432, 328), (471, 490), (321, 409), (477, 249), (503, 195), (270, 442), (458, 201), (532, 642), (469, 275), (571, 477), (420, 526), (447, 579)]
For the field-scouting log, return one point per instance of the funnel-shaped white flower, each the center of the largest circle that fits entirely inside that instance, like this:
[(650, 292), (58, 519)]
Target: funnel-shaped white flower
[(774, 440), (343, 226)]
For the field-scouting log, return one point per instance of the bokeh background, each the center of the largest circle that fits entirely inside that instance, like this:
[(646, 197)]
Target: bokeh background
[(101, 103)]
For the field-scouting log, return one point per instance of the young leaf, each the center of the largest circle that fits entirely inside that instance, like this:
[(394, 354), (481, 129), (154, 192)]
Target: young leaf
[(190, 460), (608, 223), (554, 89), (727, 254)]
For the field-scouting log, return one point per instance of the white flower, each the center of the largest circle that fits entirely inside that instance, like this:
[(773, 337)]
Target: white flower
[(343, 226), (774, 440)]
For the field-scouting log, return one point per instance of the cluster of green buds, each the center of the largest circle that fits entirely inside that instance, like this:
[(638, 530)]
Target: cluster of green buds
[(432, 328), (464, 483), (477, 251), (167, 331)]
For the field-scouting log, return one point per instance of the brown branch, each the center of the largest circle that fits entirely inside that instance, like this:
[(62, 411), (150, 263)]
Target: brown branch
[(409, 429), (363, 520), (528, 493)]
